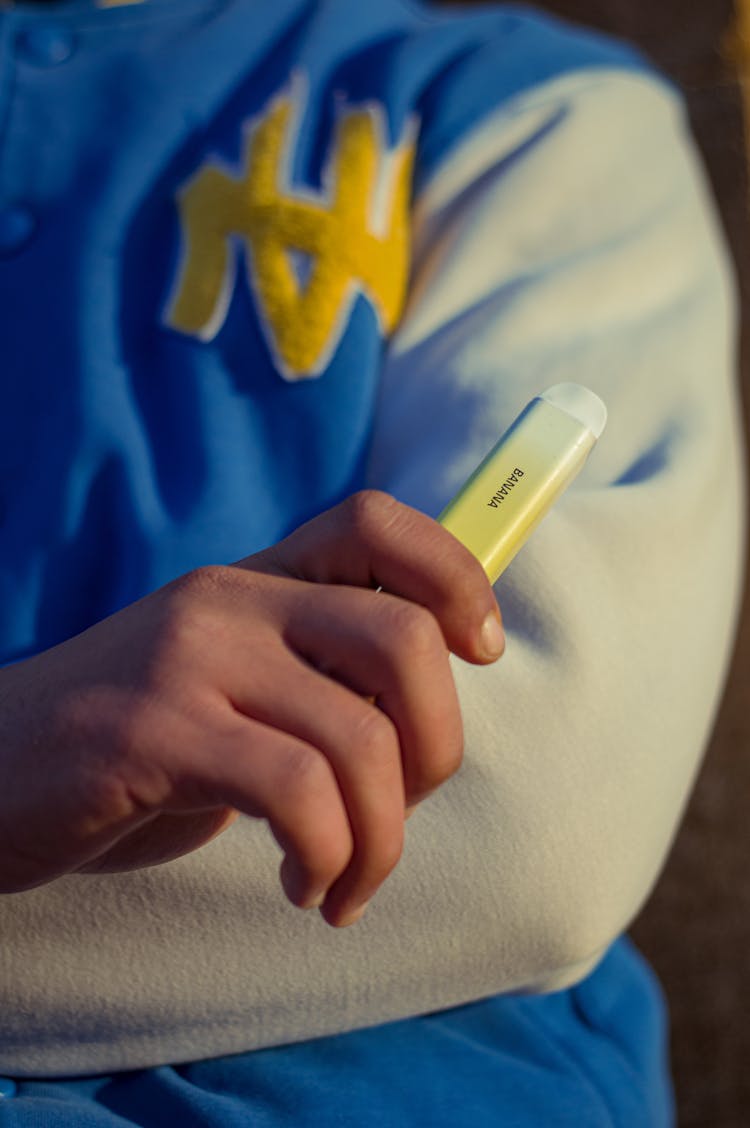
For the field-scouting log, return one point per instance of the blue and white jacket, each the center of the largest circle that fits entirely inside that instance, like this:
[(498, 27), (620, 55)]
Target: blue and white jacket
[(257, 255)]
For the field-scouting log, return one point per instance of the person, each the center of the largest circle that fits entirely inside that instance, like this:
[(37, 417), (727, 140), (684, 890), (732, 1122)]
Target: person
[(274, 278)]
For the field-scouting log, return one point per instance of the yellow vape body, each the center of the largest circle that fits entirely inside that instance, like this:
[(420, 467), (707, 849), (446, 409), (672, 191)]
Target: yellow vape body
[(524, 474)]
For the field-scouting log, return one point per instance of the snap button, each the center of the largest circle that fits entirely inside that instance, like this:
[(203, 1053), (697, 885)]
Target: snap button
[(7, 1087), (46, 45), (17, 225)]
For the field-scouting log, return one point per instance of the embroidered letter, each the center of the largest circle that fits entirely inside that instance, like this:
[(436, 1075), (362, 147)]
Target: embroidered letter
[(353, 235)]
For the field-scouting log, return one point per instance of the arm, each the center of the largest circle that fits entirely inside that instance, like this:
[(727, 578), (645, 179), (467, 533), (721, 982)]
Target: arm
[(591, 256), (581, 744)]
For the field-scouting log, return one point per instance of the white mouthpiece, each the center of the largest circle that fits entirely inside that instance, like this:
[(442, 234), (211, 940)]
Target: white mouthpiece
[(583, 404)]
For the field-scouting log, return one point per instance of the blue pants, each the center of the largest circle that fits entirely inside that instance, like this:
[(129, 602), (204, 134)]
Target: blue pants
[(593, 1056)]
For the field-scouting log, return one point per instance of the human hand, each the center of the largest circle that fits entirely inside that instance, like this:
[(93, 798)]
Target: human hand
[(283, 687)]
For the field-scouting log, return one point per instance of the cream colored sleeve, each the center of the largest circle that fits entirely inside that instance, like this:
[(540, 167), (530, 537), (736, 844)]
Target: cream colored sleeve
[(586, 250), (571, 238)]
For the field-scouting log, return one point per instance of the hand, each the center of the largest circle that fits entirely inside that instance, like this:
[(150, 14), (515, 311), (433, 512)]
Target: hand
[(283, 686)]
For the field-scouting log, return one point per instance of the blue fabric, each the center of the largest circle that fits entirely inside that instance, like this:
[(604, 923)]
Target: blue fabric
[(593, 1056)]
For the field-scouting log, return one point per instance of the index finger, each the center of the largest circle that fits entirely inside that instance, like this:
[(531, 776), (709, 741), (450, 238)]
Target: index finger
[(373, 540)]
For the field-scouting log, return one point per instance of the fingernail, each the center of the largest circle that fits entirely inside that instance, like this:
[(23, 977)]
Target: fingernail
[(492, 636), (295, 887), (353, 917)]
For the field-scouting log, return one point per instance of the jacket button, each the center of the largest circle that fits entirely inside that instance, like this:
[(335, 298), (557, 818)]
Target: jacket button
[(46, 46), (7, 1087), (17, 225)]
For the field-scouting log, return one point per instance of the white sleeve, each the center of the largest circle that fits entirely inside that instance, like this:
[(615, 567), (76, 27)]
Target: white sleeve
[(573, 239)]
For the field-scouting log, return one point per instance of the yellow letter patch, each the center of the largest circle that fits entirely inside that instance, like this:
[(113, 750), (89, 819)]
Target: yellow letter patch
[(355, 235)]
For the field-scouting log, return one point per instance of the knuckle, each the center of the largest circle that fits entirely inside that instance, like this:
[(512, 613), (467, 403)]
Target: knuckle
[(416, 631), (302, 775), (371, 512), (330, 858), (376, 743), (189, 615), (304, 809), (208, 578)]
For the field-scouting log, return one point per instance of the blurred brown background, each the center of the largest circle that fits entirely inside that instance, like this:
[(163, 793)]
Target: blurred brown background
[(696, 927)]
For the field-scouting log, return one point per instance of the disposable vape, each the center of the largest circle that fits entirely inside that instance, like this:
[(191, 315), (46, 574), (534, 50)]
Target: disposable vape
[(524, 474)]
